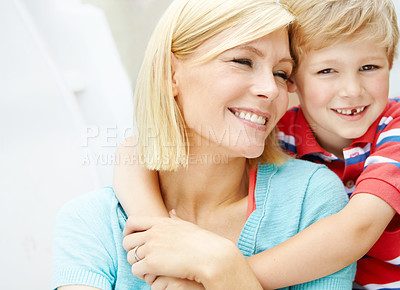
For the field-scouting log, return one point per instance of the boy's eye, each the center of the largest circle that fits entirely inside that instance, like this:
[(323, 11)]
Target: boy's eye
[(243, 61), (326, 71), (368, 67), (282, 75)]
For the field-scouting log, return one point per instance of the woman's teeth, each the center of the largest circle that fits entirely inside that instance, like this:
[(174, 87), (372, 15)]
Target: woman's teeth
[(251, 117), (349, 112)]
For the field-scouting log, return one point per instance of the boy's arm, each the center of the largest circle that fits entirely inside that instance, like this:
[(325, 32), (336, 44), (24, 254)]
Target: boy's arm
[(136, 187), (326, 246), (323, 248)]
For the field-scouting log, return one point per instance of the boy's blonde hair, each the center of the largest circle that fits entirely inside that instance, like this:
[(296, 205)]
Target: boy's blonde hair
[(163, 140), (321, 23)]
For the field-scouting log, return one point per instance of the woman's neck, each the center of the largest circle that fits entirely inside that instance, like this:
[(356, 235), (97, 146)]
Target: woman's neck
[(206, 188)]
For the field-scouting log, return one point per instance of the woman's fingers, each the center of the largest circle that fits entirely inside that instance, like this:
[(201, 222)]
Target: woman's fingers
[(134, 256), (174, 248), (133, 240), (149, 279), (159, 284), (140, 269), (138, 224), (169, 283)]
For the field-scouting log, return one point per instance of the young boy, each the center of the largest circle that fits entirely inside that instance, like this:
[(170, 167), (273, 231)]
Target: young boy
[(343, 51)]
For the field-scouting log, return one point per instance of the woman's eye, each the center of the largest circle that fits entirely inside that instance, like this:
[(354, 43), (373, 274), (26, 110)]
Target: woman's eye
[(368, 67), (244, 61), (282, 75), (326, 71)]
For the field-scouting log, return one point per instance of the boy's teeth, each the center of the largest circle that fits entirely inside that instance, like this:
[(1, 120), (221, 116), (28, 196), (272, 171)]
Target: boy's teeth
[(251, 117), (350, 112)]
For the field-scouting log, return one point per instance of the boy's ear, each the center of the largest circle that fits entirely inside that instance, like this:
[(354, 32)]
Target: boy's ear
[(174, 66), (291, 85)]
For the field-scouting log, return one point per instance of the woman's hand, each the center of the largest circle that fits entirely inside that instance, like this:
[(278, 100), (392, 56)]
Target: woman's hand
[(176, 248), (168, 283)]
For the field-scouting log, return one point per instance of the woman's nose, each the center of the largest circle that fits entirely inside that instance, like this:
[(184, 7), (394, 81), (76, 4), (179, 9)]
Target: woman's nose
[(265, 86)]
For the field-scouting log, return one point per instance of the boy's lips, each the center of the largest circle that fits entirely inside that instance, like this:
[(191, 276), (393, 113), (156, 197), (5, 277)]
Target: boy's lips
[(350, 111)]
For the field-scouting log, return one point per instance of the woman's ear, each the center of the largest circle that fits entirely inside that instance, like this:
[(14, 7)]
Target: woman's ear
[(291, 85), (174, 67)]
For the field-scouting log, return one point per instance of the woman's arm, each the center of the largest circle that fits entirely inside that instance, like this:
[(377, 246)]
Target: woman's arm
[(84, 250), (136, 187)]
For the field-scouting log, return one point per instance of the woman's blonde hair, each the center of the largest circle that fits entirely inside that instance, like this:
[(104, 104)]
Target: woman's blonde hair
[(163, 140), (321, 23)]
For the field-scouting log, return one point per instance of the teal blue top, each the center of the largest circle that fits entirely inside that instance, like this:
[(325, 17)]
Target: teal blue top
[(87, 247)]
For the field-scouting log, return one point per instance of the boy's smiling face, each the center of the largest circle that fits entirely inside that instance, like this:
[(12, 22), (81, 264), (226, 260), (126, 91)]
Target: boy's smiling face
[(343, 89)]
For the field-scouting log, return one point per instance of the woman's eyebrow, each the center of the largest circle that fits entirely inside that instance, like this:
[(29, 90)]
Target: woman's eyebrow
[(261, 54), (288, 59), (251, 49)]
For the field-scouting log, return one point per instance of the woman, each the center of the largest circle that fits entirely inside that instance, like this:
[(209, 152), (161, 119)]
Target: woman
[(210, 92)]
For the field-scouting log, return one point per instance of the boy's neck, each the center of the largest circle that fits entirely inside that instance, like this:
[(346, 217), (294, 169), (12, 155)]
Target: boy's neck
[(332, 144), (329, 141)]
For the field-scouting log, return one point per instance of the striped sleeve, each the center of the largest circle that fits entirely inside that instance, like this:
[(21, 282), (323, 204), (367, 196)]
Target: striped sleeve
[(381, 174)]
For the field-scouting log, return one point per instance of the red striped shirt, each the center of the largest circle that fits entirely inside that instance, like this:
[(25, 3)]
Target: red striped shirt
[(371, 165)]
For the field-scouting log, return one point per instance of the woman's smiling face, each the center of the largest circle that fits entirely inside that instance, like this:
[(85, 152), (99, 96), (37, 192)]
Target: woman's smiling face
[(234, 100)]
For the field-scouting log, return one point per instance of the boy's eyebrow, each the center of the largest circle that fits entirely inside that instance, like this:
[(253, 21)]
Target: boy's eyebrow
[(324, 62), (332, 61)]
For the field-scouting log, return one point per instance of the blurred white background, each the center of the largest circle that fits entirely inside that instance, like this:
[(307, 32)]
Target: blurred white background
[(67, 68)]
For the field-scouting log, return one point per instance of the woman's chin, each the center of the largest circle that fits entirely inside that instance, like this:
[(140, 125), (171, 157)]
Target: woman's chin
[(253, 152)]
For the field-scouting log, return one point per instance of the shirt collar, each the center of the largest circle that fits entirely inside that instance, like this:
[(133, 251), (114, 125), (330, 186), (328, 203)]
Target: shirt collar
[(305, 140)]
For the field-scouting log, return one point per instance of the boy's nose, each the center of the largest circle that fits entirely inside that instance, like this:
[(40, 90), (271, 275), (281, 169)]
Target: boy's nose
[(351, 87)]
